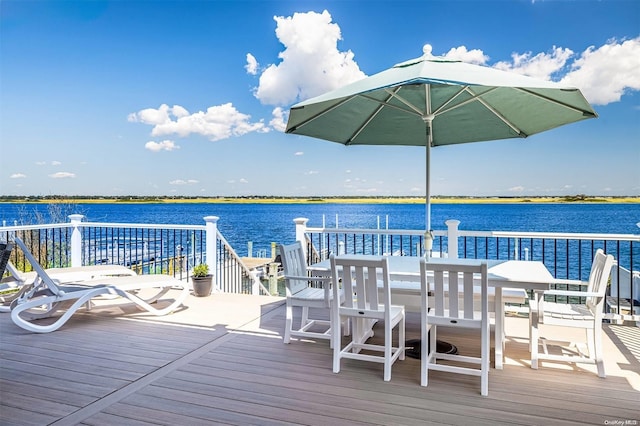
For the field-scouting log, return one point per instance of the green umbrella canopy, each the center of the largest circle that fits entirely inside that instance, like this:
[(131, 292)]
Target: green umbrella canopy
[(431, 101)]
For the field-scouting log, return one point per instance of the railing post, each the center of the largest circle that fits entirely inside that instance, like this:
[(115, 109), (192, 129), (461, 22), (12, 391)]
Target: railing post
[(273, 278), (76, 240), (210, 247), (452, 238), (301, 230)]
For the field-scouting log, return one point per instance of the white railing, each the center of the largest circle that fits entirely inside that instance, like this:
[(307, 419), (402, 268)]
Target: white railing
[(566, 255), (76, 243)]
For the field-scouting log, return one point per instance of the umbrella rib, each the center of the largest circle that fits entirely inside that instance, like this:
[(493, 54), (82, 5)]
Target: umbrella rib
[(548, 99), (499, 115), (318, 115), (442, 110), (368, 120), (478, 98), (412, 110)]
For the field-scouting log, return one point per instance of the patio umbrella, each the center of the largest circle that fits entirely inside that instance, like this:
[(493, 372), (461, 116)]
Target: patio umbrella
[(431, 101)]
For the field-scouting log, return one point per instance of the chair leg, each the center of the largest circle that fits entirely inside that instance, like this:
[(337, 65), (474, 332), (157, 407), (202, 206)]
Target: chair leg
[(305, 316), (388, 343), (589, 334), (424, 356), (484, 366), (533, 341), (347, 327), (530, 326), (336, 343), (597, 353), (288, 323), (401, 339)]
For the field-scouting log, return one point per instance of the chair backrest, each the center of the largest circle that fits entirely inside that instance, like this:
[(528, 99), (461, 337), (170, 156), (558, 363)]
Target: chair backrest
[(598, 279), (453, 291), (294, 264), (365, 282), (43, 277), (5, 253)]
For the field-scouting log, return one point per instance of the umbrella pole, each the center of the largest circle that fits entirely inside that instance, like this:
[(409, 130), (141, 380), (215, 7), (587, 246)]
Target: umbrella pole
[(428, 232), (428, 183)]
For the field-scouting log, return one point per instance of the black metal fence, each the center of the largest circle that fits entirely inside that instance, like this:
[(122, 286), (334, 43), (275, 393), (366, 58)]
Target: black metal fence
[(146, 249), (566, 256)]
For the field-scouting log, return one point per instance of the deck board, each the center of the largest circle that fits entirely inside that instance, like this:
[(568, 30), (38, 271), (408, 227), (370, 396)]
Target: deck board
[(222, 360)]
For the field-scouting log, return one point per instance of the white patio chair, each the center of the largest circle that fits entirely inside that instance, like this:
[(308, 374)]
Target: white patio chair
[(45, 298), (450, 309), (305, 290), (586, 315), (364, 305)]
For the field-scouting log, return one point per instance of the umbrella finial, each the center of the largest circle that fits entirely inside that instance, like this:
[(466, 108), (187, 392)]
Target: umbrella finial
[(426, 51)]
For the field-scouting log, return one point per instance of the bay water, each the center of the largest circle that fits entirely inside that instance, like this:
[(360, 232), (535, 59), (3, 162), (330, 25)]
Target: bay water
[(263, 224)]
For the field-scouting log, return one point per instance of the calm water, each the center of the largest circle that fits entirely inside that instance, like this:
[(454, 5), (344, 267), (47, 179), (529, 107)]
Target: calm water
[(266, 223)]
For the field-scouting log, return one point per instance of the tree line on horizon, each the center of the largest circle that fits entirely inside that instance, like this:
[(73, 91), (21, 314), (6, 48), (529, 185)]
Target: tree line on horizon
[(146, 198)]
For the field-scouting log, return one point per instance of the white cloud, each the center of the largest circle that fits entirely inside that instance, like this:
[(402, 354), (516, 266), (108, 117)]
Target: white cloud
[(218, 122), (603, 74), (279, 120), (252, 64), (62, 175), (516, 189), (56, 163), (18, 176), (541, 65), (165, 145), (416, 189), (608, 72), (310, 63), (299, 153), (40, 163), (243, 180), (311, 172), (158, 116), (461, 53), (183, 182)]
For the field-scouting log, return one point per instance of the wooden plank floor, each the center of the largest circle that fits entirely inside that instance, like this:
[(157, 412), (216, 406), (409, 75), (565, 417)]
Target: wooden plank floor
[(221, 360)]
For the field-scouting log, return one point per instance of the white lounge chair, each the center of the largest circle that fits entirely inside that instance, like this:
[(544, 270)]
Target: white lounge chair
[(46, 298), (13, 285)]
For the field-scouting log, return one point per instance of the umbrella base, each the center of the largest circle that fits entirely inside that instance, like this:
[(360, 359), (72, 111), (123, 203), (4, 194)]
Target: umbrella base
[(413, 348)]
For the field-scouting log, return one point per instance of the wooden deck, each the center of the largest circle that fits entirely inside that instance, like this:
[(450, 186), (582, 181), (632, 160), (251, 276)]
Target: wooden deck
[(221, 360)]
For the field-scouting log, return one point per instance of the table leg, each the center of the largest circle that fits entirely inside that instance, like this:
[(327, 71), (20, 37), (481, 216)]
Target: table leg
[(499, 328)]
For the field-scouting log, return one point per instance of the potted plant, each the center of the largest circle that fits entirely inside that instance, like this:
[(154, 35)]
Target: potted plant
[(202, 280)]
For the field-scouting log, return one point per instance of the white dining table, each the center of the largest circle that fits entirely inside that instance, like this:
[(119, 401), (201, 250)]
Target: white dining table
[(518, 274)]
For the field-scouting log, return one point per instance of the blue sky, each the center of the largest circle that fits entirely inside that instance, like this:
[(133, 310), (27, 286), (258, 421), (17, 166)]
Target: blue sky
[(190, 97)]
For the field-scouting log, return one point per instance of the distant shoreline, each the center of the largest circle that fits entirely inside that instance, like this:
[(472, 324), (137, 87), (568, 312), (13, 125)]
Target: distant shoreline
[(580, 199)]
